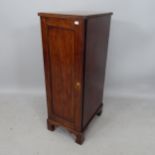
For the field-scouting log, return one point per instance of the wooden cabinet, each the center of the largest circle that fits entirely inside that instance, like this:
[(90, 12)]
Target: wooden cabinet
[(75, 51)]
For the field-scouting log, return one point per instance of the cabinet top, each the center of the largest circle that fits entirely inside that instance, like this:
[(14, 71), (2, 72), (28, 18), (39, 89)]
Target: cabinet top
[(80, 14)]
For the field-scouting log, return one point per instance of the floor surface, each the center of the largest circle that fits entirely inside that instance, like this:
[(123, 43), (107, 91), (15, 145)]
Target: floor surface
[(126, 127)]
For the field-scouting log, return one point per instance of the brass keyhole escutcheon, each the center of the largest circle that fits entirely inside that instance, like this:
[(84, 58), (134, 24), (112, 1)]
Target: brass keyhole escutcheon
[(78, 85)]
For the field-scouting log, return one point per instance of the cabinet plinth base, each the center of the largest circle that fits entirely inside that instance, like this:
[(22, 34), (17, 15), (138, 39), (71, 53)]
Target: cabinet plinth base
[(79, 138), (99, 112), (51, 125)]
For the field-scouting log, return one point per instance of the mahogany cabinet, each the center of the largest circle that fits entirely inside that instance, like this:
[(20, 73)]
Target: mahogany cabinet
[(75, 51)]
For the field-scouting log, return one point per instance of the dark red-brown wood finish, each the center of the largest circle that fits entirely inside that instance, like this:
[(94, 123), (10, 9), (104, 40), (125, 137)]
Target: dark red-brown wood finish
[(75, 50)]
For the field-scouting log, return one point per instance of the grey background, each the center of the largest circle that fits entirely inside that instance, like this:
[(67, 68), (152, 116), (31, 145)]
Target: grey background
[(127, 124), (130, 64)]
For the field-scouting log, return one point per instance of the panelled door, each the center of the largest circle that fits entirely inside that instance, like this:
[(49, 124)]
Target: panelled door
[(64, 38)]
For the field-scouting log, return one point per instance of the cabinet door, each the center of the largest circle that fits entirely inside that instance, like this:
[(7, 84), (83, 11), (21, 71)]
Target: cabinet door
[(63, 53)]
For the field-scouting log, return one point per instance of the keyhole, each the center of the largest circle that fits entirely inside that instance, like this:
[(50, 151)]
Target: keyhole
[(78, 85)]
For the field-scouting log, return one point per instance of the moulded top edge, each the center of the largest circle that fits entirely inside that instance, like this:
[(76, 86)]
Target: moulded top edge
[(73, 14)]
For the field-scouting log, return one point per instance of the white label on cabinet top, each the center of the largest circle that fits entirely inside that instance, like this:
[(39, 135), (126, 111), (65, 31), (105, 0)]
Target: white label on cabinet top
[(76, 22)]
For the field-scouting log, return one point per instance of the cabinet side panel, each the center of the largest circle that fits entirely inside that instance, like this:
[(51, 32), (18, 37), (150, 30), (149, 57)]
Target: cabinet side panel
[(97, 35)]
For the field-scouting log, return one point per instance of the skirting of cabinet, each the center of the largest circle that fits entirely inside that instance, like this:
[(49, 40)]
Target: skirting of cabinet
[(52, 125)]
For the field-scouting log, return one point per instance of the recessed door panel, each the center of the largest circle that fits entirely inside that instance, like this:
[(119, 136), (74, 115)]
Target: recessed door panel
[(61, 47)]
